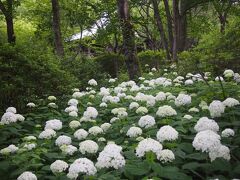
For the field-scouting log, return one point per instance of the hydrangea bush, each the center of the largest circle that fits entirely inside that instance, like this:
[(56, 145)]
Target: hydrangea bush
[(163, 126)]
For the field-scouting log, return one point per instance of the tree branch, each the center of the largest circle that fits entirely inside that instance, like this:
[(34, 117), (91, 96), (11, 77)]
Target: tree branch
[(3, 9)]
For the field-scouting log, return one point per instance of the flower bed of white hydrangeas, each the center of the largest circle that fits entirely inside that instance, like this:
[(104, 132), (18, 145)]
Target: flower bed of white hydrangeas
[(159, 127)]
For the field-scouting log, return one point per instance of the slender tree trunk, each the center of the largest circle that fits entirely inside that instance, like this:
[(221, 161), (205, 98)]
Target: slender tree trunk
[(8, 13), (129, 48), (160, 28), (56, 28), (169, 23), (182, 26), (223, 21), (175, 22)]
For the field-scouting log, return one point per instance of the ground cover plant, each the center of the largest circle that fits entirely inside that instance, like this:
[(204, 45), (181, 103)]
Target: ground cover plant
[(164, 126)]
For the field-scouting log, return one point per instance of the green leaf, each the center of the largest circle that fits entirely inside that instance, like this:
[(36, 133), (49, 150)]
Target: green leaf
[(138, 168), (197, 156)]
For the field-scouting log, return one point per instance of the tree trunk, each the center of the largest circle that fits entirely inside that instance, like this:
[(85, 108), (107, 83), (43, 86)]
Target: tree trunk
[(175, 22), (56, 29), (223, 21), (169, 23), (129, 48), (182, 26), (160, 28)]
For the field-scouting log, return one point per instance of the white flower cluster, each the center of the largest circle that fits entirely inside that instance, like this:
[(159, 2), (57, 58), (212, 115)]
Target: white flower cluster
[(167, 133), (68, 149), (47, 134), (187, 116), (81, 165), (88, 146), (120, 112), (134, 132), (27, 175), (58, 166), (111, 157), (134, 105), (105, 126), (142, 110), (29, 146), (92, 82), (228, 73), (80, 134), (230, 102), (149, 99), (148, 145), (228, 132), (165, 156), (146, 121), (183, 99), (63, 140), (52, 98), (10, 116), (29, 138), (78, 95), (161, 96), (31, 105), (188, 82), (165, 111), (53, 124), (90, 113), (72, 110), (111, 99), (95, 130), (74, 124), (216, 108), (8, 150), (206, 124)]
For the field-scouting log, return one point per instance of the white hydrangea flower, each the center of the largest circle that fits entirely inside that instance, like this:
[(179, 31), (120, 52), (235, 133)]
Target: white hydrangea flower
[(95, 130), (230, 102), (148, 145), (52, 98), (52, 105), (188, 82), (165, 156), (142, 110), (171, 97), (20, 117), (165, 111), (68, 149), (54, 124), (228, 132), (206, 141), (183, 100), (91, 113), (220, 152), (80, 134), (92, 82), (8, 118), (111, 80), (71, 108), (105, 126), (10, 149), (88, 146), (167, 133), (187, 116), (206, 124), (81, 165), (161, 96), (47, 134), (146, 121), (103, 104), (58, 166), (134, 132), (228, 73), (78, 95), (31, 105), (101, 139), (219, 78), (12, 110), (30, 146), (29, 138), (111, 157), (73, 102), (134, 105), (63, 140), (193, 109), (27, 175), (74, 124), (216, 108), (73, 114), (114, 119)]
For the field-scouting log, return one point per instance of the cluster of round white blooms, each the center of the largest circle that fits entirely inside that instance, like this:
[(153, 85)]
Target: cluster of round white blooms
[(146, 121), (95, 130), (111, 99), (101, 139), (219, 78), (230, 102), (71, 108), (75, 90), (63, 140), (12, 110), (54, 124), (142, 110), (167, 133), (52, 105), (103, 104), (81, 165), (188, 82), (27, 175), (105, 126), (111, 80), (187, 116), (73, 102), (68, 149), (216, 108), (52, 98), (92, 82), (80, 134), (29, 146), (58, 166), (206, 124), (133, 105), (114, 119), (165, 111), (171, 97), (165, 156), (73, 114), (147, 145), (47, 134), (111, 157), (31, 105), (91, 113), (88, 146), (161, 96), (120, 112), (10, 116), (228, 132), (183, 99), (29, 138), (104, 91), (77, 95), (206, 141), (10, 149), (193, 109), (149, 99), (228, 73), (74, 124), (134, 132), (237, 77), (220, 152)]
